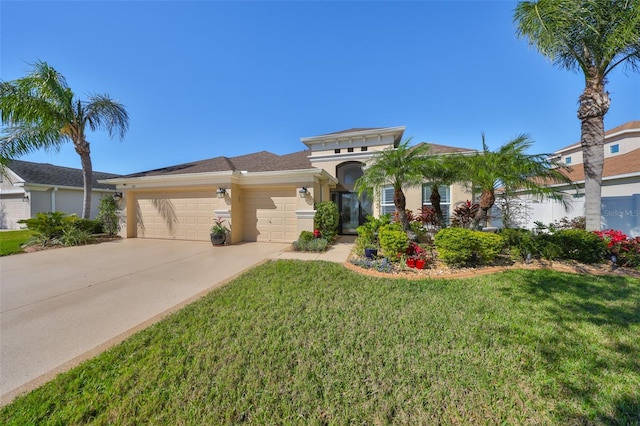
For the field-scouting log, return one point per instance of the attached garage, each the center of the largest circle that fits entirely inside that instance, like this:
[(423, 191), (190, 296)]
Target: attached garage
[(180, 215), (269, 215)]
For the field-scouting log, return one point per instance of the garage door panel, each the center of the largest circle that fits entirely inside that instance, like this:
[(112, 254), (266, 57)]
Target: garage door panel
[(176, 215), (270, 215)]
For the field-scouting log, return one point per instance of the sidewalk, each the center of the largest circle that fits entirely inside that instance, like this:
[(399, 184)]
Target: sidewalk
[(338, 253)]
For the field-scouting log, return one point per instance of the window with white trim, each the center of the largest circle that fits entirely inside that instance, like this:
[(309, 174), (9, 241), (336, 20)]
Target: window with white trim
[(567, 160), (614, 149), (386, 200), (445, 199)]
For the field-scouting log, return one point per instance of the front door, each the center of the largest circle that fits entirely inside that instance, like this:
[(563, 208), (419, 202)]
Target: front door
[(353, 211)]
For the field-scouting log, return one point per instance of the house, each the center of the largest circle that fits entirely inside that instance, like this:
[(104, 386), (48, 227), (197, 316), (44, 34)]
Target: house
[(28, 188), (264, 196), (620, 183)]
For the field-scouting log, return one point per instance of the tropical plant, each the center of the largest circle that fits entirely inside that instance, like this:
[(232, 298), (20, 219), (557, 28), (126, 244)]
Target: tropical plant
[(40, 111), (398, 167), (594, 37), (439, 170), (219, 228), (464, 213), (511, 168)]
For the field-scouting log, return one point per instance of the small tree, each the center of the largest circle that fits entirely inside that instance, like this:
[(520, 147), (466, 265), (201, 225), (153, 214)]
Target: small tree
[(107, 215), (327, 219)]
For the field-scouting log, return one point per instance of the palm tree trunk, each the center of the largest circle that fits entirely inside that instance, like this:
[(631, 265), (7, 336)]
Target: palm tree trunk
[(487, 200), (435, 203), (82, 148), (594, 104), (400, 203)]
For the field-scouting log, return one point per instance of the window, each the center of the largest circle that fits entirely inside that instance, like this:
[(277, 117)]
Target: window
[(363, 149), (445, 198), (336, 151), (349, 149), (386, 201), (567, 160), (614, 148)]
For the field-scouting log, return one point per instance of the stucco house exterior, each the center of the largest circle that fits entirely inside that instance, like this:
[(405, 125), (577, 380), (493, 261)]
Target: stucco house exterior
[(620, 183), (264, 196), (28, 188)]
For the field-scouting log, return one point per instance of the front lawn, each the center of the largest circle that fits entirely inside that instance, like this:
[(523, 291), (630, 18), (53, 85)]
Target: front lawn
[(294, 342), (11, 241)]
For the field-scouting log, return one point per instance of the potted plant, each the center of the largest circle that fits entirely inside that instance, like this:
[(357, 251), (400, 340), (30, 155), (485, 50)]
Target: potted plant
[(371, 250), (219, 232)]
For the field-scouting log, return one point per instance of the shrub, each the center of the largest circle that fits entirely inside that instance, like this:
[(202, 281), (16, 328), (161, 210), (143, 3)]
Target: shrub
[(393, 240), (107, 215), (327, 219), (518, 242), (626, 250), (89, 226), (314, 245), (465, 247), (580, 245), (73, 236), (48, 227), (306, 236)]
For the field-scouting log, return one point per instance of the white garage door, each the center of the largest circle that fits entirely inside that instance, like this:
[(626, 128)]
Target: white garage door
[(176, 215), (270, 215)]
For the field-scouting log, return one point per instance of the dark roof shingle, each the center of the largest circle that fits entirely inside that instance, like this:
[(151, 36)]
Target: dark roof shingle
[(262, 161), (48, 174)]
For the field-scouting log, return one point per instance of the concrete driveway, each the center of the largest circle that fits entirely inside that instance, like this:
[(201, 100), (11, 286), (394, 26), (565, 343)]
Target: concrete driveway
[(60, 307)]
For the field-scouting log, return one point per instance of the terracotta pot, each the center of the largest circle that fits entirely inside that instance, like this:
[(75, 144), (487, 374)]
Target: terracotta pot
[(411, 263), (421, 263)]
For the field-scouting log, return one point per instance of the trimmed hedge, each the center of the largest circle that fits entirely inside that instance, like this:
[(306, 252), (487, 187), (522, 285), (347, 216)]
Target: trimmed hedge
[(465, 247)]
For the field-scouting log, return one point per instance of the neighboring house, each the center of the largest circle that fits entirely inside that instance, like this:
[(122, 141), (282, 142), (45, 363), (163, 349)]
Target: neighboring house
[(28, 188), (263, 196), (620, 183)]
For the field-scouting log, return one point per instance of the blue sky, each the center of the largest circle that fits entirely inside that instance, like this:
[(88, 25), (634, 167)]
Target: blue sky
[(203, 78)]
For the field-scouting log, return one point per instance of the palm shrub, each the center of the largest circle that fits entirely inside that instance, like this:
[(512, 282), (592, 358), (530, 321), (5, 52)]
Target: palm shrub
[(465, 247), (327, 219), (48, 227)]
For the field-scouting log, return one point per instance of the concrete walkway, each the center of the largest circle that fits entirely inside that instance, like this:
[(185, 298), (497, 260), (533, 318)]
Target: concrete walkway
[(60, 307)]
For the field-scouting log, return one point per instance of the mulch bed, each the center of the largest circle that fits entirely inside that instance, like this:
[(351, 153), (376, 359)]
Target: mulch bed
[(96, 240), (439, 270)]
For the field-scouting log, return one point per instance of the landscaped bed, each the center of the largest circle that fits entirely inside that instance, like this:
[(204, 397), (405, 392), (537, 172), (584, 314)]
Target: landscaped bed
[(294, 342)]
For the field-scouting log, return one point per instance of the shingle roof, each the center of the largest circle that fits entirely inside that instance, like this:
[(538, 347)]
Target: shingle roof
[(48, 174), (630, 125), (434, 148), (257, 162), (352, 130), (613, 166)]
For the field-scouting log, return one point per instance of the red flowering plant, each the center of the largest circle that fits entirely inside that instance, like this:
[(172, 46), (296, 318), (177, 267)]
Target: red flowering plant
[(626, 250), (416, 251)]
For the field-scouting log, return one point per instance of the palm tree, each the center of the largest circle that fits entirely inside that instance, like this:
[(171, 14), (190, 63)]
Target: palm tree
[(41, 112), (439, 170), (511, 168), (593, 36), (398, 167)]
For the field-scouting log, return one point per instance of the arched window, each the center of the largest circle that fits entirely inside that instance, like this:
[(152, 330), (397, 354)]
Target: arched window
[(348, 174)]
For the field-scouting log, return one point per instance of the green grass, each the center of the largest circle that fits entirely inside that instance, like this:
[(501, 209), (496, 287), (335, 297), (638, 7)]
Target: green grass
[(295, 342), (10, 241)]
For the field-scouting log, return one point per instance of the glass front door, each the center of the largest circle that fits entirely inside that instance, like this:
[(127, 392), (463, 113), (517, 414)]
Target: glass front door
[(353, 211)]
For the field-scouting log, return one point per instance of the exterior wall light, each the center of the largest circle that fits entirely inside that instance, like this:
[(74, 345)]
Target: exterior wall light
[(221, 192), (117, 196), (303, 192)]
